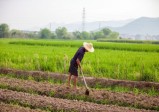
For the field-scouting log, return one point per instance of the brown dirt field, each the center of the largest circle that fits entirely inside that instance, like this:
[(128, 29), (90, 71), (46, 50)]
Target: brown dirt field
[(14, 108), (53, 104), (61, 91), (90, 80)]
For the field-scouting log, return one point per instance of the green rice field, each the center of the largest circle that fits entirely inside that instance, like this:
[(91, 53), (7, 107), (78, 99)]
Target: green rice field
[(128, 61)]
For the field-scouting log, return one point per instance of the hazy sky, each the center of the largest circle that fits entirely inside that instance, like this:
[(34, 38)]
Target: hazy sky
[(24, 14)]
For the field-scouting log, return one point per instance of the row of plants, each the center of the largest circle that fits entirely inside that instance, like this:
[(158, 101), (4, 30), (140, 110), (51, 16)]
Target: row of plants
[(149, 88), (16, 108), (56, 104), (97, 45), (129, 41), (101, 97), (35, 101)]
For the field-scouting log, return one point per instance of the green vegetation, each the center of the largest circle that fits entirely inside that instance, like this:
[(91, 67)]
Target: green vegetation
[(136, 91), (122, 63), (4, 30), (129, 41), (97, 45), (46, 34), (59, 33)]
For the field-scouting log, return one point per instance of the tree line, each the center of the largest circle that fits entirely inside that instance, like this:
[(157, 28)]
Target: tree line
[(59, 33)]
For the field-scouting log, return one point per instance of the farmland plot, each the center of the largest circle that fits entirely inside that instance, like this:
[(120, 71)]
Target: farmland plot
[(28, 81)]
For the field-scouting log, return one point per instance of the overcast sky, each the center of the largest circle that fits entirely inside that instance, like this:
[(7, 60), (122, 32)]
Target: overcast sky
[(23, 14)]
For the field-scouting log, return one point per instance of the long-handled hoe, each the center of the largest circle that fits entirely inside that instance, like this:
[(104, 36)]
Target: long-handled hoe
[(87, 88)]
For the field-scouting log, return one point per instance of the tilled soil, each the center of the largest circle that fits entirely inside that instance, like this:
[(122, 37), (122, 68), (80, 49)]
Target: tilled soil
[(61, 91), (53, 104), (92, 82), (12, 108)]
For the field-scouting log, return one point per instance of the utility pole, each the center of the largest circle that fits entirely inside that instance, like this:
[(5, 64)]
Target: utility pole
[(83, 20)]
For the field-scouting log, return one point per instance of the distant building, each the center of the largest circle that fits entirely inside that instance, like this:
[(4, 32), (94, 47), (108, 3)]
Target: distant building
[(27, 31), (139, 37)]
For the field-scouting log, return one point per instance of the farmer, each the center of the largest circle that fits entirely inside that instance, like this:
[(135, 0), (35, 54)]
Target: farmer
[(76, 60)]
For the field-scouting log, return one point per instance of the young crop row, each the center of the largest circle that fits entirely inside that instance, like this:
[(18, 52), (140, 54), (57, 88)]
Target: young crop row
[(98, 84), (55, 104), (96, 96), (16, 108), (97, 45), (92, 82), (125, 65), (130, 41)]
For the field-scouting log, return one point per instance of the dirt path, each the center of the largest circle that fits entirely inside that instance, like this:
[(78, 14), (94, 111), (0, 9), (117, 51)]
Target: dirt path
[(43, 102), (103, 82), (100, 96)]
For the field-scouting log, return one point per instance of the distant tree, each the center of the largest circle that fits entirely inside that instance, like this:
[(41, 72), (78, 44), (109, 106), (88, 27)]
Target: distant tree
[(105, 34), (92, 34), (45, 33), (77, 35), (4, 30), (85, 35), (61, 33), (32, 35), (98, 34), (53, 36), (69, 36), (106, 31), (113, 35), (16, 33)]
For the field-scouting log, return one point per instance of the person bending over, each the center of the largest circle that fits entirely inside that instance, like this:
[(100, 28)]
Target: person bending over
[(76, 62)]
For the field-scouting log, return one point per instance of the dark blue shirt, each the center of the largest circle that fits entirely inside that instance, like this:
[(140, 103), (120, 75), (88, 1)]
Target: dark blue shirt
[(79, 54)]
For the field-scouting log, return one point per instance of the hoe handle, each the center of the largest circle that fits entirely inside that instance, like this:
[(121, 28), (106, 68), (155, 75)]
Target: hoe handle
[(84, 79)]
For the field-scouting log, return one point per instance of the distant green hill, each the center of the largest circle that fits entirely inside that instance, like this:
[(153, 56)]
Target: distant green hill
[(143, 25)]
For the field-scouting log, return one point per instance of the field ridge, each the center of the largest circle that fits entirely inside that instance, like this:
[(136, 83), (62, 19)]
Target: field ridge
[(103, 82), (96, 96), (53, 104)]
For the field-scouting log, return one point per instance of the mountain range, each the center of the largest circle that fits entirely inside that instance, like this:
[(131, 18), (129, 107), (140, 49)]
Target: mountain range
[(139, 26), (142, 26)]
